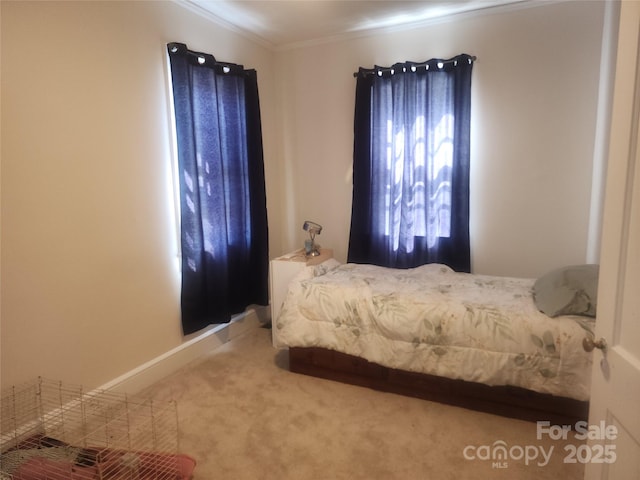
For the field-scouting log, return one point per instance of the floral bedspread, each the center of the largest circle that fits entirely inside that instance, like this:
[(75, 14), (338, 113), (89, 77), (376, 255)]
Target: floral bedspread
[(433, 320)]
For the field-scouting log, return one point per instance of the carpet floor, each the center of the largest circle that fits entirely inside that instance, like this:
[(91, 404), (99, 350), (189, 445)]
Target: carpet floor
[(243, 415)]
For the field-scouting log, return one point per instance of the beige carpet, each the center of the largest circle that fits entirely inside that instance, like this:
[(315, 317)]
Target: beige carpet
[(243, 415)]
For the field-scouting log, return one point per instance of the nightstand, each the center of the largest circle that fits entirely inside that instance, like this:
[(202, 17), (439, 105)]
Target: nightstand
[(282, 270)]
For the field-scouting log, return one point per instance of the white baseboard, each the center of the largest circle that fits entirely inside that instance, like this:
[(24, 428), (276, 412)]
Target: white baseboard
[(140, 377), (154, 370)]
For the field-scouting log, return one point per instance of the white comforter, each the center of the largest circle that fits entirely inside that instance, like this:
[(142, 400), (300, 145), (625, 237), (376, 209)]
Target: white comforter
[(433, 320)]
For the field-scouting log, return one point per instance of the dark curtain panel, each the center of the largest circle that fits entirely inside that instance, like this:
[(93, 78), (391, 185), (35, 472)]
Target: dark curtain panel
[(224, 236), (411, 165)]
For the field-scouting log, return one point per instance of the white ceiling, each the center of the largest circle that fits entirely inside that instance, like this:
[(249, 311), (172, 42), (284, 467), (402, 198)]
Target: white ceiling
[(282, 23)]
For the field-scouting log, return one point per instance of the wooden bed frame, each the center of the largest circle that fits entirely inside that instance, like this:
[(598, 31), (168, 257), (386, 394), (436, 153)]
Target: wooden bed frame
[(506, 401)]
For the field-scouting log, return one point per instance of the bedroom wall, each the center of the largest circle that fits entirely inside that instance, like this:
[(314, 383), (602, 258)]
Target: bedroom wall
[(90, 285), (535, 91)]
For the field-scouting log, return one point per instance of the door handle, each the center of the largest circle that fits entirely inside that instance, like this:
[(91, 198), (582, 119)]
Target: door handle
[(589, 344)]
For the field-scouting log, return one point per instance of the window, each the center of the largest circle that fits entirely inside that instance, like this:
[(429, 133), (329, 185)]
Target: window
[(223, 218), (411, 165)]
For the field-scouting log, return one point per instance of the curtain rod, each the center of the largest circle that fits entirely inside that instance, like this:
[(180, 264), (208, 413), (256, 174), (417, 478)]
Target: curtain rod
[(413, 65), (205, 58)]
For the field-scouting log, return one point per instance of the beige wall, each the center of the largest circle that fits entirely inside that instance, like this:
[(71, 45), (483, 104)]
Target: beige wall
[(534, 99), (90, 285)]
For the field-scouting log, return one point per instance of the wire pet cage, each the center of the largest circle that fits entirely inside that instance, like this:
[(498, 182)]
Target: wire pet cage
[(53, 431)]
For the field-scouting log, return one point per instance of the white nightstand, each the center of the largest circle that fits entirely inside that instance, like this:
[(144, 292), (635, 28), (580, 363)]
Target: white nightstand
[(281, 272)]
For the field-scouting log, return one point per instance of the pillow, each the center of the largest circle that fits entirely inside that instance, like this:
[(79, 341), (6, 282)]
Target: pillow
[(569, 290), (325, 267)]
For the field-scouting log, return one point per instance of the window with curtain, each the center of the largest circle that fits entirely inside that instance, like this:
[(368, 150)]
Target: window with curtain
[(223, 215), (411, 165)]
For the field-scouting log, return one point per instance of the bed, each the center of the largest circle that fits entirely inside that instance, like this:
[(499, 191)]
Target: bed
[(475, 341)]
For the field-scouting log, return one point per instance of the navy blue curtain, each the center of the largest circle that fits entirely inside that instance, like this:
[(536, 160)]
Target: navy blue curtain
[(411, 165), (224, 237)]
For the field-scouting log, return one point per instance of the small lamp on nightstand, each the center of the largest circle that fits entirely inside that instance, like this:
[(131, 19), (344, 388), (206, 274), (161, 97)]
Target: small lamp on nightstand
[(310, 247)]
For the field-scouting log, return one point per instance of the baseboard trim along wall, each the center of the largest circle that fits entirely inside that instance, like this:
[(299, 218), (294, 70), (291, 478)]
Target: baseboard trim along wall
[(145, 375), (154, 370)]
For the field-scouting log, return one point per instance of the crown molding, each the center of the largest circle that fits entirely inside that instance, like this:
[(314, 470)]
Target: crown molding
[(482, 9), (194, 7)]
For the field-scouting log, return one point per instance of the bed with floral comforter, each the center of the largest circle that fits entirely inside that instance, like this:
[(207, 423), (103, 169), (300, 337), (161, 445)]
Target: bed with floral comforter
[(432, 320)]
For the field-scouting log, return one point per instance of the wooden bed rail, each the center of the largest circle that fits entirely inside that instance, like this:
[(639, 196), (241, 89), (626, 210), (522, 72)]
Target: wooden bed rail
[(512, 402)]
